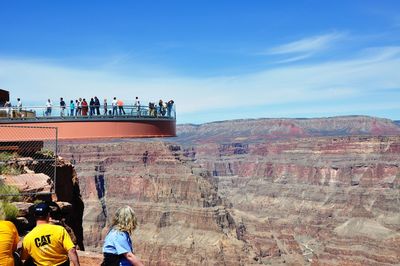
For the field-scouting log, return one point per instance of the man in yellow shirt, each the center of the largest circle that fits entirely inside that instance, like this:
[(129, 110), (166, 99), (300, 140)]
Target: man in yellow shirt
[(8, 242), (48, 244)]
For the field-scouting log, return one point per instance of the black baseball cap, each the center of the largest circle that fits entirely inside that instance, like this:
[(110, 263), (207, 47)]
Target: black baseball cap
[(42, 209)]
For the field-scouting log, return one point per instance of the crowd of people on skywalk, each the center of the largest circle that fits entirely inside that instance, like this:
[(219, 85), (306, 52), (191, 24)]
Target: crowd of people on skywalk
[(81, 107)]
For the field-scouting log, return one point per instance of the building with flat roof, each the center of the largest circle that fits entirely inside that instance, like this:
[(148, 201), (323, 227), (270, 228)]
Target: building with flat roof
[(4, 97)]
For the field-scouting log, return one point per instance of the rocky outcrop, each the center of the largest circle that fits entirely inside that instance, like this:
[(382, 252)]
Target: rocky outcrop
[(68, 190), (35, 180)]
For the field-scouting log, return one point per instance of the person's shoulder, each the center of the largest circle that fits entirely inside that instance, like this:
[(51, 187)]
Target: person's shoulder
[(51, 225), (48, 227), (7, 224), (54, 228), (4, 222), (116, 232), (30, 235)]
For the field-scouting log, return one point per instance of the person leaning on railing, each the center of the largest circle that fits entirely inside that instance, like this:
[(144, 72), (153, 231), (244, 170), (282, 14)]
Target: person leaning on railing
[(170, 104), (19, 105), (85, 107), (137, 106), (79, 107), (114, 106), (62, 106), (49, 106), (120, 105), (91, 107), (105, 106), (71, 107), (97, 105)]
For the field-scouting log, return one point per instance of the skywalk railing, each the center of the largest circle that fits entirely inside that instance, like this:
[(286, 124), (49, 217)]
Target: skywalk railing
[(94, 112)]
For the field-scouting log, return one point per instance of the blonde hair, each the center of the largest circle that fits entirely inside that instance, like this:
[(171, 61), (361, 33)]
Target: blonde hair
[(125, 220)]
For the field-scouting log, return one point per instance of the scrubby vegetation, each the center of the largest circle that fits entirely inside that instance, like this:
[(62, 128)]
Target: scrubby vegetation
[(6, 156), (44, 153), (11, 192), (10, 170), (5, 167), (8, 194), (8, 211)]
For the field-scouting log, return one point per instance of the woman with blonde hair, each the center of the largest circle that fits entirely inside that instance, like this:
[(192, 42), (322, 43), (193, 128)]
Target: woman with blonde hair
[(118, 248)]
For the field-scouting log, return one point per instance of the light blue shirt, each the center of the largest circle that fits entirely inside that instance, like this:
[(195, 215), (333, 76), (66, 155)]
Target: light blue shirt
[(118, 242)]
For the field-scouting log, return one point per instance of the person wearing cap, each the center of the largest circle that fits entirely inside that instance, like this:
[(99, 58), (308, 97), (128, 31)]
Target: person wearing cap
[(48, 244), (8, 242)]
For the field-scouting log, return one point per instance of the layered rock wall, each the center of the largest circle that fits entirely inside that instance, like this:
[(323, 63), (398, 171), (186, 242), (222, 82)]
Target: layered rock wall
[(329, 201), (340, 161), (268, 191), (182, 219)]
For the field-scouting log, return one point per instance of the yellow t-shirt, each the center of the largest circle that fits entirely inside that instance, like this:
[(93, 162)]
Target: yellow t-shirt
[(8, 242), (47, 244)]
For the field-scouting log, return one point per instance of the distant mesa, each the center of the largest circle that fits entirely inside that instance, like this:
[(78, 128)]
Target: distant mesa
[(258, 130)]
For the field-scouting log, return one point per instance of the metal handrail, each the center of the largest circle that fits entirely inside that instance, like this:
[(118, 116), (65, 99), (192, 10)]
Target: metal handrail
[(98, 112)]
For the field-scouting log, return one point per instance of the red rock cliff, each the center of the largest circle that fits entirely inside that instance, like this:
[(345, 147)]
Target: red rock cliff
[(236, 193), (182, 218)]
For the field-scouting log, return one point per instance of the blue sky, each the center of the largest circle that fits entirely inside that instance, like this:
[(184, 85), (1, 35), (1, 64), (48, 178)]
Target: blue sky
[(217, 59)]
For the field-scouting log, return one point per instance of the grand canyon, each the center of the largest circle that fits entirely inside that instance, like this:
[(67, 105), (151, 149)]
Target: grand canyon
[(240, 132), (320, 191)]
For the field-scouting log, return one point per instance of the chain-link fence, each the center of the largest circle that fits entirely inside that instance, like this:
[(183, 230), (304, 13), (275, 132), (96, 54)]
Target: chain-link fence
[(27, 160)]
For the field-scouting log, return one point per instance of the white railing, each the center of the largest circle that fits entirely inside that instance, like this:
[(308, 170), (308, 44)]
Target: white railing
[(98, 112)]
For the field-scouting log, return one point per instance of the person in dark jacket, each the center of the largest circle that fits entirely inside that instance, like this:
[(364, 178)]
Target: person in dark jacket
[(170, 104), (97, 105), (91, 107)]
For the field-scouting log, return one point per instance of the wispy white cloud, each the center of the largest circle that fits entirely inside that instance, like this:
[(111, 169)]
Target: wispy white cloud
[(333, 82), (294, 58), (304, 48), (375, 54), (307, 45)]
